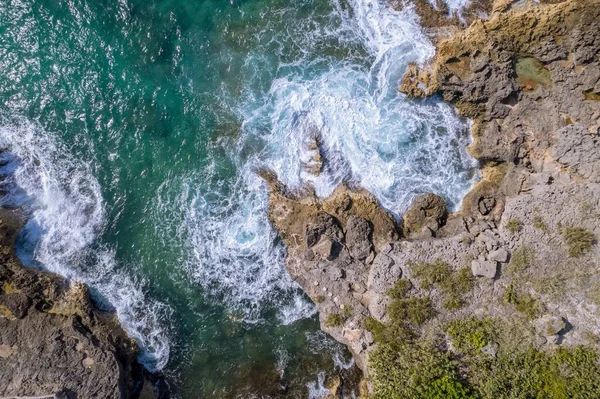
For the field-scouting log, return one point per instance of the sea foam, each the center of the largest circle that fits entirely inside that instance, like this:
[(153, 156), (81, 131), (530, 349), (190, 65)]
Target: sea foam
[(65, 217)]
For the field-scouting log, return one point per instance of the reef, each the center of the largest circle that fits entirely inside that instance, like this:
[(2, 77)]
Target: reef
[(501, 298), (54, 341)]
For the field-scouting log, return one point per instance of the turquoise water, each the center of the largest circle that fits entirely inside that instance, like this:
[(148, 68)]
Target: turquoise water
[(133, 130)]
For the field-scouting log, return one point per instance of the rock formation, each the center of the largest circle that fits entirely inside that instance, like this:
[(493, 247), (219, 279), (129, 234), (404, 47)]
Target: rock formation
[(53, 341), (529, 78)]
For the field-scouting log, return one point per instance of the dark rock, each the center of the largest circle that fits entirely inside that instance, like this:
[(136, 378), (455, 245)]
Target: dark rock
[(358, 241)]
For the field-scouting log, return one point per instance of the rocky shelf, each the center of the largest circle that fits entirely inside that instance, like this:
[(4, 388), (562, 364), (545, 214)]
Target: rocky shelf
[(517, 265)]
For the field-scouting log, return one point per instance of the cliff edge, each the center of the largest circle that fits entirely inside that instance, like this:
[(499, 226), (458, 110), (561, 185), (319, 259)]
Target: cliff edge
[(54, 342), (502, 298)]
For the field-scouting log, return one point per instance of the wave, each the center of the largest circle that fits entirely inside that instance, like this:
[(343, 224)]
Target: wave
[(65, 217), (341, 82)]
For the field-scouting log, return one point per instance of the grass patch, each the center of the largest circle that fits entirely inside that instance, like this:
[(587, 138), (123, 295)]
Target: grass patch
[(470, 335), (514, 225), (400, 289), (539, 224), (452, 285), (578, 240), (521, 259), (319, 299), (334, 320)]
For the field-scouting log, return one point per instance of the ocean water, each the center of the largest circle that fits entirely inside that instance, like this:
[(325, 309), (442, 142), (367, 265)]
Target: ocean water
[(131, 134)]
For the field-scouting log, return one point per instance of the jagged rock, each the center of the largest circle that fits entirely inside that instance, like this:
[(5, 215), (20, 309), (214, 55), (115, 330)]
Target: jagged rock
[(486, 268), (358, 232), (427, 210), (549, 326), (499, 255), (57, 342), (321, 225), (382, 272), (324, 249)]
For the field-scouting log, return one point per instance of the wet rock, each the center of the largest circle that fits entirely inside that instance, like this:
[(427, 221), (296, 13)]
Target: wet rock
[(358, 232), (58, 342), (486, 268)]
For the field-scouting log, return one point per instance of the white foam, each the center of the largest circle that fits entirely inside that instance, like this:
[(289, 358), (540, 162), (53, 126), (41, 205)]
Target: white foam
[(316, 389), (371, 134), (65, 218)]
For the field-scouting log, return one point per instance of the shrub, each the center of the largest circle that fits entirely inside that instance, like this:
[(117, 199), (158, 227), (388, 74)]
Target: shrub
[(470, 335), (578, 240), (529, 306), (347, 311), (415, 370), (559, 374), (334, 320), (510, 296), (430, 274), (514, 225), (451, 284), (319, 299), (415, 311), (400, 289)]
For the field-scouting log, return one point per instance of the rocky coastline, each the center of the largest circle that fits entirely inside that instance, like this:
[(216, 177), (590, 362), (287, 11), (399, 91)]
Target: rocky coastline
[(517, 265), (54, 341)]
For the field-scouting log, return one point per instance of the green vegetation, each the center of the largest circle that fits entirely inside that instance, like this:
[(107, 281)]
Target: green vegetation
[(400, 289), (539, 224), (423, 368), (514, 225), (415, 311), (578, 240), (415, 370), (521, 259), (510, 296), (347, 311), (470, 335), (452, 285), (529, 306), (525, 303), (559, 374), (319, 299), (334, 320)]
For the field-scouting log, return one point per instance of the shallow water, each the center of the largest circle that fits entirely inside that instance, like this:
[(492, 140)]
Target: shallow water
[(133, 131)]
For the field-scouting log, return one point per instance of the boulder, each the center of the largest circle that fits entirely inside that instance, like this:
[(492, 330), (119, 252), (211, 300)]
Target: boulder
[(427, 210), (484, 268), (358, 241), (499, 255)]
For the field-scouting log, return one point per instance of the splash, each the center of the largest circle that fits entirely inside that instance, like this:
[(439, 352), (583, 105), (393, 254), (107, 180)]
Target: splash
[(66, 216), (339, 82)]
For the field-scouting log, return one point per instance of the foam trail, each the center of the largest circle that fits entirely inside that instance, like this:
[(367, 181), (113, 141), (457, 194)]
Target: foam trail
[(66, 216), (371, 135)]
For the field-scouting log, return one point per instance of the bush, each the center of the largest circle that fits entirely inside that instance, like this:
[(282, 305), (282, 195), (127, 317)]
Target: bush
[(430, 274), (514, 225), (529, 306), (561, 374), (452, 285), (539, 224), (400, 289), (470, 335), (415, 311), (415, 370), (578, 240), (334, 320)]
